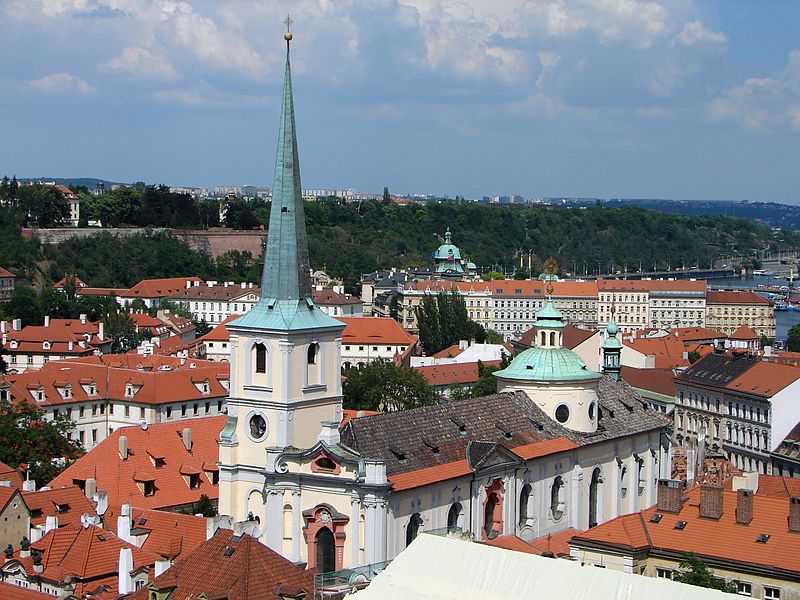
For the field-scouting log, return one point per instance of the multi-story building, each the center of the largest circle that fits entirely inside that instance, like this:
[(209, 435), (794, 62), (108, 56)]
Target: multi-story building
[(736, 405), (336, 303), (379, 338), (656, 303), (746, 534), (214, 302), (102, 394), (57, 339), (786, 457), (729, 310), (6, 284), (477, 296)]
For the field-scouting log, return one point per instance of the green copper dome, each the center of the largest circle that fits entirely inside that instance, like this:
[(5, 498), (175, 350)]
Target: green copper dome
[(548, 364), (549, 316), (612, 328), (611, 342)]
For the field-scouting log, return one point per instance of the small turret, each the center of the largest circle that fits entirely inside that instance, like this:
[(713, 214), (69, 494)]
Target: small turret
[(612, 349)]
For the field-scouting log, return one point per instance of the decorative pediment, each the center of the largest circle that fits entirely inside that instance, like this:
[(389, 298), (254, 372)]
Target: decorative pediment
[(488, 455)]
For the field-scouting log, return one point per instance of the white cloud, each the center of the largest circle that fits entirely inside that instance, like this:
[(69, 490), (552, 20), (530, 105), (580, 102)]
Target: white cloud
[(204, 96), (694, 32), (140, 62), (763, 102), (61, 83), (548, 61)]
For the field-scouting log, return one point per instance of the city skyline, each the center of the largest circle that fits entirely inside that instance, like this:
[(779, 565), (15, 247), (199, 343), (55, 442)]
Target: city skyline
[(543, 99)]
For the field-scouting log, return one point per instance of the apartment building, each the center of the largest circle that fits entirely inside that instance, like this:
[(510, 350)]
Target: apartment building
[(729, 310)]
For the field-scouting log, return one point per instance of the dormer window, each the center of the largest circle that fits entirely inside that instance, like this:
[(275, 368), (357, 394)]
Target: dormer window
[(45, 345), (130, 391), (14, 344)]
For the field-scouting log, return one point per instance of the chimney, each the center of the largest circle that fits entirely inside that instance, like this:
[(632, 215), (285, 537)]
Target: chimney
[(90, 487), (101, 506), (83, 319), (744, 506), (463, 344), (29, 485), (670, 495), (71, 345), (162, 565), (50, 523), (794, 514), (3, 326), (124, 571), (186, 436), (124, 524), (329, 433), (101, 330), (16, 324), (123, 447), (47, 321), (710, 501)]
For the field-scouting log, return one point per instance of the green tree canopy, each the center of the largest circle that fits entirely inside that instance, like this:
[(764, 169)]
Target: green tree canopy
[(28, 438), (381, 385), (793, 343), (442, 321), (44, 204), (695, 572)]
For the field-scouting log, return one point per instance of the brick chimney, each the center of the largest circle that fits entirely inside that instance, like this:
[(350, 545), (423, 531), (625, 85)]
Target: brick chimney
[(794, 514), (744, 506), (710, 501), (670, 495)]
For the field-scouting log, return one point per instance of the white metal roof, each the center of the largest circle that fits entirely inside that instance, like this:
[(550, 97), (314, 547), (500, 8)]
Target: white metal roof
[(443, 568)]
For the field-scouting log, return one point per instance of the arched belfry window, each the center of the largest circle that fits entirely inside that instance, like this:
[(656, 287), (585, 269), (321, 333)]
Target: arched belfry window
[(313, 364), (260, 351), (413, 528), (454, 515), (552, 338), (525, 505), (543, 337), (313, 350)]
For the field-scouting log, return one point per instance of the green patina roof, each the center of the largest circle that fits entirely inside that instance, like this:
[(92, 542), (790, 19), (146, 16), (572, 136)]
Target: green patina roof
[(285, 302), (548, 364), (549, 316), (611, 342)]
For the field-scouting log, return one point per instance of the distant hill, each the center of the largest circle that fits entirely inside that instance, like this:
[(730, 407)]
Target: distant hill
[(89, 182)]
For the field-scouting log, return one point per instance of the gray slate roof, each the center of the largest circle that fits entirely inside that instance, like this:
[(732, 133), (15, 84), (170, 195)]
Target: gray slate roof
[(435, 435)]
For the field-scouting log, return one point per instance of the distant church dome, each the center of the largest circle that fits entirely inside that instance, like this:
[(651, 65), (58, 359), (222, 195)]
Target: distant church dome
[(447, 257)]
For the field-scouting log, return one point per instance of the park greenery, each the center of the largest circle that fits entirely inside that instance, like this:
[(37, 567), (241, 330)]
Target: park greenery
[(382, 385), (44, 445), (793, 343), (352, 238), (442, 321)]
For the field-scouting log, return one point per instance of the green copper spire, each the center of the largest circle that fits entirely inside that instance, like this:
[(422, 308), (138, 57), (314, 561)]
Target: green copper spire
[(286, 301)]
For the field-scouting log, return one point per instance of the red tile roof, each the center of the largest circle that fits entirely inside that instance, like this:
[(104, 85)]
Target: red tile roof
[(220, 332), (11, 474), (14, 592), (696, 334), (218, 292), (5, 273), (659, 381), (118, 477), (83, 335), (6, 494), (668, 350), (557, 543), (734, 297), (349, 415), (159, 288), (744, 333), (650, 285), (723, 539), (158, 380), (88, 555), (329, 297), (168, 534), (232, 568), (765, 379), (375, 330), (449, 352), (453, 374), (68, 504)]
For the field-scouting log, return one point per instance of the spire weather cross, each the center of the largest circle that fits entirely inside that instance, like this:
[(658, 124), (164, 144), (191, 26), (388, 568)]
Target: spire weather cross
[(288, 35)]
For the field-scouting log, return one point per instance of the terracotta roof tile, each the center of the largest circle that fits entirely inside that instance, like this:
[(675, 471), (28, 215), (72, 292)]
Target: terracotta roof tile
[(375, 330), (667, 350), (168, 534), (744, 333), (5, 273), (14, 592), (723, 539), (68, 504), (159, 288), (660, 381), (117, 476), (454, 373), (217, 293), (233, 568), (765, 379), (329, 297), (651, 285), (734, 297)]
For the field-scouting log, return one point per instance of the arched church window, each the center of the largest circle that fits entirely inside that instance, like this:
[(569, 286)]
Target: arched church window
[(453, 515), (260, 350), (623, 481), (326, 551), (413, 528), (313, 350), (543, 337), (492, 516), (642, 482), (595, 493), (552, 338), (525, 505), (557, 503)]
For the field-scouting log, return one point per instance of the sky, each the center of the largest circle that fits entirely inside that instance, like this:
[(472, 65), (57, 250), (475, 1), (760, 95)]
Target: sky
[(543, 98)]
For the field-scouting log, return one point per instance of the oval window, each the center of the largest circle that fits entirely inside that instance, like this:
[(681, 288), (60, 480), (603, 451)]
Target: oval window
[(591, 411), (562, 413)]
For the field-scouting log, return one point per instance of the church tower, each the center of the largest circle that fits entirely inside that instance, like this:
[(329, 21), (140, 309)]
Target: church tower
[(285, 353)]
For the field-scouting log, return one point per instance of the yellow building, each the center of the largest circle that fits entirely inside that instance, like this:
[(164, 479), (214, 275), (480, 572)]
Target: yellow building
[(729, 310)]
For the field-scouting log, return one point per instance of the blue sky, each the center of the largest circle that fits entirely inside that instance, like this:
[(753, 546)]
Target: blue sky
[(598, 98)]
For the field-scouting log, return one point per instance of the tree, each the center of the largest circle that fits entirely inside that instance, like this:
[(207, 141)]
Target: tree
[(492, 275), (442, 321), (487, 383), (201, 327), (693, 356), (24, 305), (387, 197), (45, 204), (793, 343), (381, 385), (204, 507), (695, 572), (122, 331), (28, 438)]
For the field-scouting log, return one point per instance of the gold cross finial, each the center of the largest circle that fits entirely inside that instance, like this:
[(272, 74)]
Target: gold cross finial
[(288, 35)]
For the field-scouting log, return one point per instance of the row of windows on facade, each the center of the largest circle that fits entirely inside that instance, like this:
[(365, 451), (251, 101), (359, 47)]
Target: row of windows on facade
[(743, 588), (375, 348), (735, 409), (742, 436), (747, 463), (79, 412)]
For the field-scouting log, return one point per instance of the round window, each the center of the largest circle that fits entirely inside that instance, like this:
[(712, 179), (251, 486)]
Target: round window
[(258, 426), (591, 411), (562, 413)]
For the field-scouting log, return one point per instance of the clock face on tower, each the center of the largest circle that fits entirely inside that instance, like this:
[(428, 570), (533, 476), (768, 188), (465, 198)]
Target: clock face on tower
[(258, 426)]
